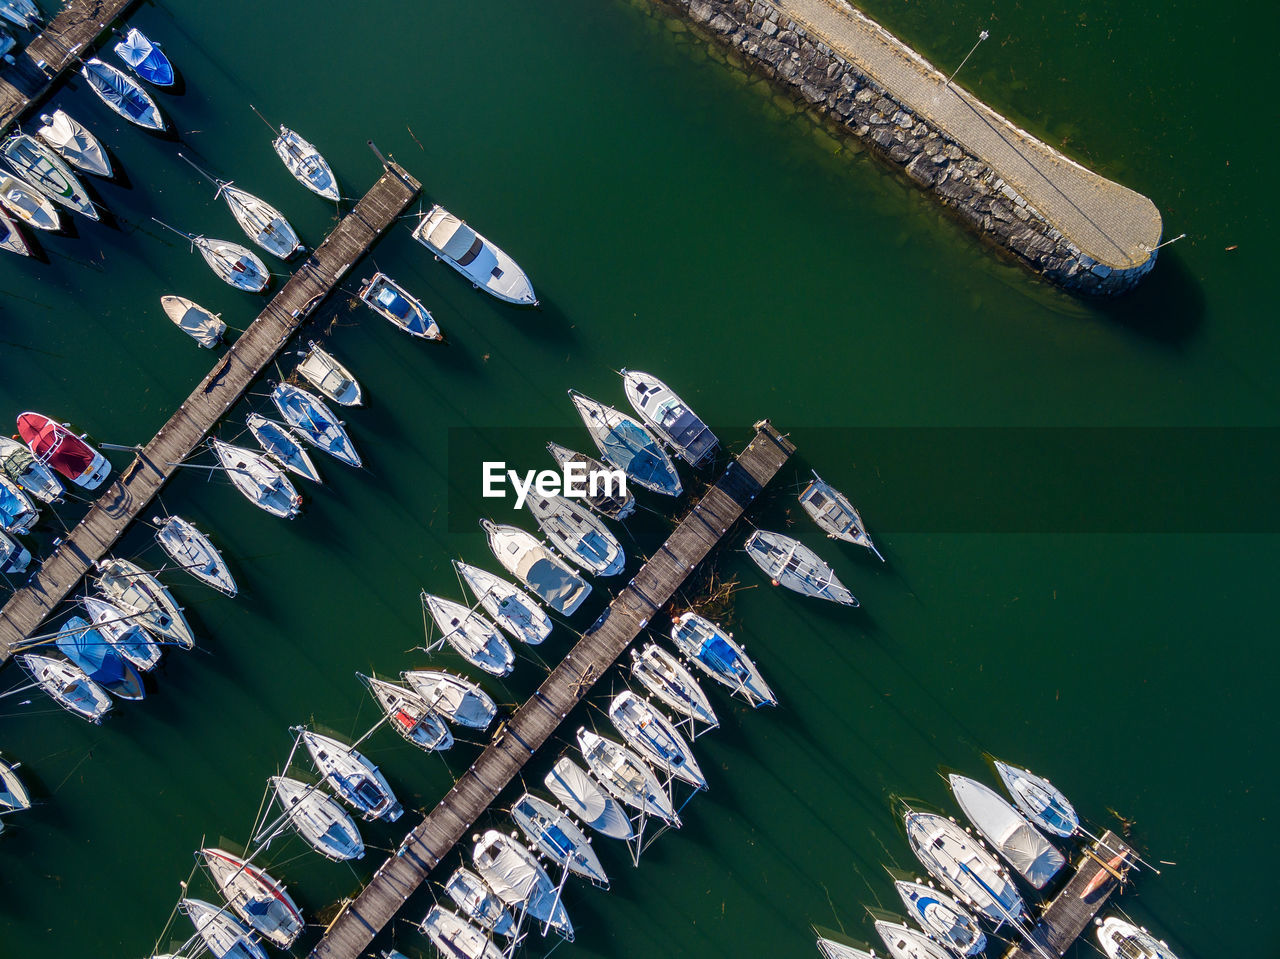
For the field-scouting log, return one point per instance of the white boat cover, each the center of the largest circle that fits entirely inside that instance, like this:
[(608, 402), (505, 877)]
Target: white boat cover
[(582, 796), (903, 942), (193, 319), (77, 145), (222, 933), (516, 878), (533, 564), (1008, 831), (942, 917), (457, 938)]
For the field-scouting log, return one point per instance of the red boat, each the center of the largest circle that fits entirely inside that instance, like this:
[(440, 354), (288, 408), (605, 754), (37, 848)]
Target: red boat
[(60, 449)]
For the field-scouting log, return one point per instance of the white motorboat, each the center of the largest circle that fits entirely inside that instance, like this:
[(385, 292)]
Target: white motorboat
[(455, 937), (68, 685), (13, 792), (623, 441), (903, 942), (788, 562), (475, 257), (306, 164), (524, 557), (315, 422), (74, 143), (835, 515), (230, 262), (517, 879), (334, 381), (831, 949), (123, 631), (319, 819), (454, 697), (663, 676), (223, 934), (258, 479), (29, 205), (123, 94), (21, 466), (580, 537), (410, 715), (942, 917), (43, 169), (14, 557), (55, 445), (257, 898), (670, 417), (655, 738), (714, 651), (584, 798), (1041, 801), (471, 635), (626, 776), (1007, 831), (511, 607), (17, 513), (191, 550), (262, 223), (193, 319), (558, 837), (474, 897), (605, 487), (393, 302), (280, 444), (353, 777), (1123, 940), (959, 861), (136, 591), (11, 238)]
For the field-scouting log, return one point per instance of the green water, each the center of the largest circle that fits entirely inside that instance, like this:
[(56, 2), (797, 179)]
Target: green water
[(678, 217)]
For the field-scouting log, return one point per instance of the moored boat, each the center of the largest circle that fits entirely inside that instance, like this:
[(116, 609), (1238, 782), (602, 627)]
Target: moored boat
[(471, 635), (831, 949), (960, 862), (11, 238), (262, 223), (1121, 939), (474, 897), (334, 381), (258, 479), (315, 422), (122, 630), (522, 555), (1041, 801), (626, 776), (1007, 831), (511, 607), (145, 58), (835, 515), (456, 698), (942, 917), (903, 942), (192, 551), (455, 937), (14, 557), (318, 819), (29, 205), (409, 714), (663, 676), (282, 447), (20, 465), (17, 513), (193, 319), (24, 13), (623, 441), (655, 738), (393, 302), (788, 562), (101, 662), (74, 143), (605, 487), (36, 163), (580, 537), (223, 934), (68, 685), (517, 879), (714, 651), (558, 838), (306, 164), (353, 777), (13, 792), (480, 260), (136, 591), (670, 417), (230, 262), (123, 94), (55, 446), (584, 798), (257, 898)]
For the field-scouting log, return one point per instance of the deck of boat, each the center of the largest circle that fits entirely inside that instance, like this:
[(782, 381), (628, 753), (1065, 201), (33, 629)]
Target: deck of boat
[(700, 531)]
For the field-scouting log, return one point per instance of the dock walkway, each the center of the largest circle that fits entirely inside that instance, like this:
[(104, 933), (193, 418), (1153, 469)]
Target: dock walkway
[(699, 532)]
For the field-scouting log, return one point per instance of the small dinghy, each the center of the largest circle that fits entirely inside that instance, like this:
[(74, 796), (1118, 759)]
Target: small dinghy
[(191, 550), (193, 319), (455, 937), (392, 301), (662, 675), (581, 538), (14, 557), (101, 661), (942, 917), (261, 482), (28, 205), (474, 897), (24, 13), (625, 443), (280, 444), (318, 819), (714, 651), (354, 778), (123, 95), (306, 164), (259, 900), (835, 515), (626, 777), (331, 378), (68, 685), (223, 935), (13, 793), (136, 591), (17, 513), (525, 558), (456, 698), (670, 417), (43, 169), (55, 446), (11, 238), (122, 630), (478, 259), (471, 635), (655, 738), (1007, 831), (1123, 940), (959, 861), (74, 143), (1041, 801), (605, 487), (511, 607), (20, 465), (230, 262), (558, 838), (903, 942), (262, 223), (145, 58), (831, 949), (517, 879), (315, 422), (583, 797), (788, 562), (409, 714)]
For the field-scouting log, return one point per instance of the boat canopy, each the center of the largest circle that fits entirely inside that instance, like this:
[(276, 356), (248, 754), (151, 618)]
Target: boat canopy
[(630, 448), (456, 240), (1019, 842), (88, 649), (116, 90), (53, 444), (555, 584)]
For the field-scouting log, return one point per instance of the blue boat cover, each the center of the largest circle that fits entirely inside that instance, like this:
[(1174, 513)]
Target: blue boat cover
[(147, 59), (721, 657), (86, 647), (11, 508), (634, 451)]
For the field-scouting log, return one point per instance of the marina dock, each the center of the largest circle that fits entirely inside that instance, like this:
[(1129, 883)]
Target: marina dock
[(132, 489), (699, 532)]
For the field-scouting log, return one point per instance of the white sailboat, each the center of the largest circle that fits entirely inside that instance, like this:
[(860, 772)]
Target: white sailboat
[(222, 934), (456, 698), (355, 779), (123, 94), (511, 607), (334, 381), (43, 169), (262, 223), (536, 567), (191, 550), (13, 792), (1121, 939), (959, 862), (517, 879), (662, 675), (623, 441), (903, 942), (1007, 831), (604, 494), (136, 591), (455, 937), (474, 897), (788, 562), (626, 776), (282, 447), (1041, 801), (558, 838), (481, 261), (578, 536), (584, 798), (942, 917), (655, 738), (68, 685), (193, 319), (230, 262), (471, 635), (74, 143), (29, 205), (306, 164), (315, 422), (835, 515), (670, 417), (831, 949), (258, 899), (24, 13), (123, 631), (258, 479), (714, 652), (409, 714), (318, 819)]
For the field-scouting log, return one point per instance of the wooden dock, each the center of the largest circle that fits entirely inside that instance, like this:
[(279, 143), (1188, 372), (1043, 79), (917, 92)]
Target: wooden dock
[(699, 532), (132, 489)]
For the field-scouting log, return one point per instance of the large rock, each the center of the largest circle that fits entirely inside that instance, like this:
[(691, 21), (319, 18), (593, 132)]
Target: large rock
[(701, 10)]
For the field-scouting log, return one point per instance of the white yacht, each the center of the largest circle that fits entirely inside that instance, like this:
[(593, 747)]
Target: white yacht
[(662, 675), (511, 607), (282, 446), (471, 635), (315, 422), (517, 879), (409, 714), (473, 896), (455, 937), (258, 899), (353, 777), (583, 796), (318, 819), (306, 164), (714, 652), (191, 318), (903, 942), (262, 223), (558, 838), (522, 555), (258, 479), (942, 917), (478, 259), (788, 562), (655, 738), (624, 442), (13, 792), (456, 698), (68, 685), (1123, 940), (223, 935), (959, 861), (136, 591), (626, 776), (74, 143), (123, 631), (1007, 831), (581, 538), (192, 551), (670, 417), (230, 262), (835, 515), (333, 380)]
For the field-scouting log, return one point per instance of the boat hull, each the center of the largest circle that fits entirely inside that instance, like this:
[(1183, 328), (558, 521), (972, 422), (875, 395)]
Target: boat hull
[(62, 451)]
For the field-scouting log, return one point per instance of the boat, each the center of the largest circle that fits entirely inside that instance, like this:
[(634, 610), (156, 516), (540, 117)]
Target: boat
[(1040, 801), (456, 698), (193, 319), (14, 557), (55, 446), (74, 143), (580, 537), (392, 301), (474, 897), (831, 949), (136, 591), (662, 675), (517, 879), (258, 479), (959, 861), (655, 738), (44, 170), (230, 262), (788, 562), (223, 934), (471, 635), (101, 662), (1123, 940), (669, 417), (258, 899), (145, 58), (13, 793), (315, 422), (354, 778), (455, 937), (525, 558), (121, 630), (584, 798), (306, 164), (191, 550), (942, 917), (1110, 869), (123, 94), (68, 685), (24, 13), (714, 651), (558, 838), (903, 942), (409, 714), (28, 205), (835, 515), (625, 443), (17, 513), (318, 819), (21, 466), (282, 447), (626, 777), (511, 607), (262, 223), (475, 257), (331, 378), (1007, 831), (11, 238), (604, 489)]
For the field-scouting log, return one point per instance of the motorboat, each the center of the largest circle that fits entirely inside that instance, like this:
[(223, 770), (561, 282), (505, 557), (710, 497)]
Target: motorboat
[(474, 897), (192, 551), (24, 13), (13, 792), (122, 630), (136, 591), (584, 798), (471, 635), (258, 479), (456, 698), (223, 934), (525, 558), (29, 205), (903, 942), (580, 537), (511, 607), (475, 257), (101, 661), (410, 715), (306, 164), (714, 651), (1041, 801), (1123, 940), (625, 443), (257, 898), (145, 58), (74, 143), (230, 262), (1007, 831), (393, 302), (655, 738), (788, 562), (193, 319), (32, 160), (68, 685), (942, 917), (14, 557), (17, 513), (333, 380), (21, 466), (831, 949), (56, 447), (959, 861), (315, 422), (558, 838), (662, 675), (11, 238), (318, 819), (354, 778), (835, 515), (603, 488), (282, 447), (455, 937), (517, 879), (670, 417), (123, 94), (262, 223), (626, 777)]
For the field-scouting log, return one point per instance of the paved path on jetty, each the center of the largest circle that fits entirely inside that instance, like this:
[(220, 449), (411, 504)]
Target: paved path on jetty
[(701, 530), (1113, 224), (131, 491)]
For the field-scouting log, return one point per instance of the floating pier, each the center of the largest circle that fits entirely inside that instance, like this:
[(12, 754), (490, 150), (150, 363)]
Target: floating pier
[(700, 531)]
